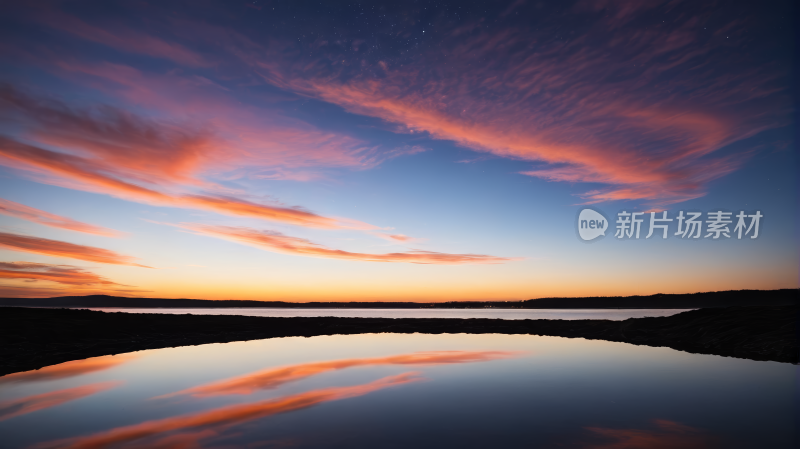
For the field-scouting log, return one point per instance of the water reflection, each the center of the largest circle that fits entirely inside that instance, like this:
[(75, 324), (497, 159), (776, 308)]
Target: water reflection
[(272, 378), (69, 369), (28, 404), (212, 423), (400, 391), (666, 435)]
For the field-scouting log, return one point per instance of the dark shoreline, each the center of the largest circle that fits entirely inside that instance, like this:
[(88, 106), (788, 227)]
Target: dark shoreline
[(700, 300), (33, 338)]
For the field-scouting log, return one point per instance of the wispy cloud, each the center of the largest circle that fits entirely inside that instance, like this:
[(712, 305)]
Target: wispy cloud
[(397, 238), (17, 291), (123, 38), (109, 150), (56, 248), (24, 212), (277, 242), (641, 109), (275, 377), (62, 274), (29, 404)]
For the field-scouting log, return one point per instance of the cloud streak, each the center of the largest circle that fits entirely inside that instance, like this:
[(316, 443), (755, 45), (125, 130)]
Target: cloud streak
[(62, 274), (56, 248), (397, 238), (109, 150), (124, 38), (279, 243), (640, 109), (275, 377), (28, 213)]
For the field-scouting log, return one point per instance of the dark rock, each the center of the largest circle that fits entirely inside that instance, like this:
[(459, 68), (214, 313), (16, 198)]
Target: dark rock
[(33, 338)]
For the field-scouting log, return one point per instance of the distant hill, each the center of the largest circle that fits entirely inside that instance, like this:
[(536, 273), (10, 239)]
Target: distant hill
[(658, 301)]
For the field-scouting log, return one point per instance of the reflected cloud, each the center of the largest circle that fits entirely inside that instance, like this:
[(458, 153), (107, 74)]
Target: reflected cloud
[(29, 404), (210, 423), (274, 377), (57, 248), (668, 435), (69, 369), (280, 243), (24, 212)]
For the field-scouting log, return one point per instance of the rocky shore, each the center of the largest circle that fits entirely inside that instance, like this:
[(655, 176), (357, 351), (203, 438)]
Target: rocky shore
[(33, 338)]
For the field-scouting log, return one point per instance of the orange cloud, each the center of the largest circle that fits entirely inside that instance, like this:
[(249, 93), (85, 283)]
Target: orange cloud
[(85, 171), (13, 209), (641, 109), (125, 155), (62, 274), (69, 369), (397, 238), (29, 404), (296, 216), (16, 291), (210, 423), (668, 436), (274, 377), (36, 245), (621, 106), (276, 242)]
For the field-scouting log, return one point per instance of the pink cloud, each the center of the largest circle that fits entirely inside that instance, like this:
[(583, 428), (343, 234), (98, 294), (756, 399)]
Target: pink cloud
[(62, 274), (56, 248), (619, 104), (397, 238), (18, 210), (280, 243), (122, 38), (115, 152)]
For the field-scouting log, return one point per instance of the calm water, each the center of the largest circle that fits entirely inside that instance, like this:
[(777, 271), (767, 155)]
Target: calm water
[(402, 391), (503, 314)]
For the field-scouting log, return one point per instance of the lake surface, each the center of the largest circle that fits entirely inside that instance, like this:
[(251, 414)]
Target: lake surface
[(501, 314), (402, 391)]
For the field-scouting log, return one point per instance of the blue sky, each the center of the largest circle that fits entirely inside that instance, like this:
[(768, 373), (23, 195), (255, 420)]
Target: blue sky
[(425, 152)]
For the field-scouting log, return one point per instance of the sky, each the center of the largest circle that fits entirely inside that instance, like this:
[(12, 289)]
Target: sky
[(394, 151)]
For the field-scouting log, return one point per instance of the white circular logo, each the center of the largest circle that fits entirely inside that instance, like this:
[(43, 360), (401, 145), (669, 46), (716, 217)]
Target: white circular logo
[(591, 224)]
